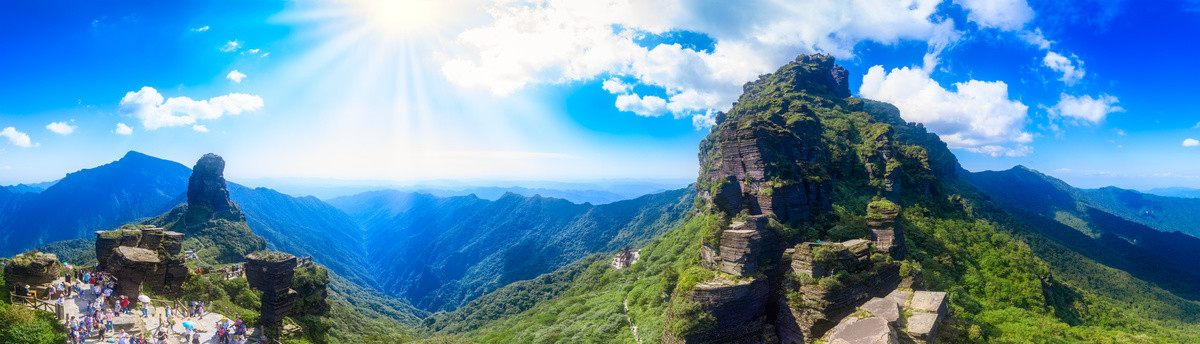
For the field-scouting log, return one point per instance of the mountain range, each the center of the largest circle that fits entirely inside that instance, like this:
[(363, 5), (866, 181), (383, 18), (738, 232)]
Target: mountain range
[(470, 246)]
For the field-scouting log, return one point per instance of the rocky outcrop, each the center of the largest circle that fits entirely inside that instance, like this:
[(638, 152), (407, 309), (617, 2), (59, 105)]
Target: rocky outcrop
[(743, 246), (881, 221), (33, 270), (132, 266), (833, 280), (165, 276), (206, 187), (864, 331), (738, 308), (272, 273)]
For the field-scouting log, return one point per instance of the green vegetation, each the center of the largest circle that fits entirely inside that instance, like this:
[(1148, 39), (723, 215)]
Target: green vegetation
[(78, 252), (21, 325)]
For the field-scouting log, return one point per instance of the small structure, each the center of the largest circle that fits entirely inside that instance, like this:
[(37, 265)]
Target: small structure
[(626, 258)]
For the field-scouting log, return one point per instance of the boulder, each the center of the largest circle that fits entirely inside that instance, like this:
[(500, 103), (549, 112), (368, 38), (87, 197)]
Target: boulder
[(929, 301), (865, 331), (900, 297), (34, 269), (883, 308), (922, 327)]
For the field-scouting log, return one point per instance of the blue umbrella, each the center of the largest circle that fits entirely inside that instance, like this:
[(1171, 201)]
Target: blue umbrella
[(189, 325)]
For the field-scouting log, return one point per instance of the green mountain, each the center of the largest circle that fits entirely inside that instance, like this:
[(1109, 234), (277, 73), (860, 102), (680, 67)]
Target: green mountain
[(102, 198), (440, 253), (803, 161), (1164, 258), (1168, 214)]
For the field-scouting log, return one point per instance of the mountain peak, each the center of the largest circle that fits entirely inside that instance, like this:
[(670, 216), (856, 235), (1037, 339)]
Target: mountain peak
[(206, 187)]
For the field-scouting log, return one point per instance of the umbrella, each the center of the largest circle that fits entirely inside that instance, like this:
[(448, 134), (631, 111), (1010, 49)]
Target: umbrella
[(189, 325), (143, 298)]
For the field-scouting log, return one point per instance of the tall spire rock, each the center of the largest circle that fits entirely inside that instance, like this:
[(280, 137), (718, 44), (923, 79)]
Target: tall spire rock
[(214, 225), (206, 187)]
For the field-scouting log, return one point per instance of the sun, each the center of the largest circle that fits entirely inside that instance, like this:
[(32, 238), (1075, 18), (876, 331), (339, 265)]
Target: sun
[(400, 17)]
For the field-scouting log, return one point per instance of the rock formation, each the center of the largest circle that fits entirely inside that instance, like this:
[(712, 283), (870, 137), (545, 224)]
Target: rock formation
[(132, 266), (768, 174), (206, 187), (272, 273), (832, 279), (881, 220), (168, 272), (33, 269)]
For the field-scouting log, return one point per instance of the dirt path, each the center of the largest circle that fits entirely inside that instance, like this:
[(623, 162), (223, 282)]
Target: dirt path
[(632, 327)]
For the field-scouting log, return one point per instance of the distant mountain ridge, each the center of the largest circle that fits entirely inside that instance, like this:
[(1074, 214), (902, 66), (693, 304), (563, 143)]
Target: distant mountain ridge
[(1163, 257), (440, 253)]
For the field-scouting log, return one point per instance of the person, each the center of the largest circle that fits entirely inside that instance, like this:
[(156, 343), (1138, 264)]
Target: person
[(125, 305), (167, 310), (145, 311), (161, 336), (108, 319)]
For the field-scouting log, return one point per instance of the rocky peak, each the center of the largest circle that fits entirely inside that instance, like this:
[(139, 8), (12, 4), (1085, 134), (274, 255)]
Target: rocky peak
[(206, 187)]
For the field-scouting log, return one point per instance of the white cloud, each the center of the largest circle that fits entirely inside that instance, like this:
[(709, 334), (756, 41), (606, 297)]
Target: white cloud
[(977, 116), (148, 106), (231, 46), (17, 138), (649, 106), (1085, 109), (235, 76), (253, 51), (1119, 132), (1036, 39), (123, 129), (61, 128), (1197, 126), (1000, 14), (615, 86), (200, 128), (1071, 68), (200, 29), (1191, 143), (554, 41)]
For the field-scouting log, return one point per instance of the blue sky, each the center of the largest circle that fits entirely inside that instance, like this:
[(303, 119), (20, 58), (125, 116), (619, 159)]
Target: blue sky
[(1095, 92)]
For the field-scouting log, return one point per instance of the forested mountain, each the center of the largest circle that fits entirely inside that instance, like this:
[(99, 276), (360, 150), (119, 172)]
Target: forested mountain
[(1168, 214), (798, 150), (101, 198), (1165, 258), (441, 253)]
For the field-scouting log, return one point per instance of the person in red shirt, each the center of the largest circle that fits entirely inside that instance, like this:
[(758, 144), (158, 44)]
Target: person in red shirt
[(124, 303)]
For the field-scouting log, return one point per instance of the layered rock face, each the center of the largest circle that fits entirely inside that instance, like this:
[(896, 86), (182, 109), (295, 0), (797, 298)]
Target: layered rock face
[(772, 168), (881, 221), (34, 269), (836, 279), (165, 275), (272, 273), (206, 187), (132, 266)]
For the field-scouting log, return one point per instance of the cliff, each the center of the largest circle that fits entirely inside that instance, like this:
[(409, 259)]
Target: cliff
[(798, 159)]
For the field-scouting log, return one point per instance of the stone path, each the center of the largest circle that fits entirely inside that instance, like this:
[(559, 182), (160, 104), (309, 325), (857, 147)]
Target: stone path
[(632, 327), (206, 323)]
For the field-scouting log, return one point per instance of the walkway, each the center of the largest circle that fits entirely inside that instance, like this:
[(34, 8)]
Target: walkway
[(72, 306)]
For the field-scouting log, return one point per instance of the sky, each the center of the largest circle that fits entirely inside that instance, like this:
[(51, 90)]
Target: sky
[(1096, 92)]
